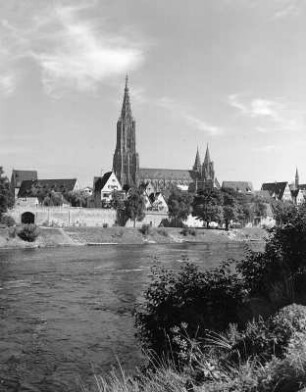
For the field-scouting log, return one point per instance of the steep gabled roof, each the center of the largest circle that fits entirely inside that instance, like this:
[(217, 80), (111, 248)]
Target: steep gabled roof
[(239, 186), (302, 187), (165, 174), (18, 176), (101, 182), (56, 185), (275, 188)]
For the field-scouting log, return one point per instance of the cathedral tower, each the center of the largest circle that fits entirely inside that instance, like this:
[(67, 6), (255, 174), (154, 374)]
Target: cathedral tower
[(208, 172), (126, 159)]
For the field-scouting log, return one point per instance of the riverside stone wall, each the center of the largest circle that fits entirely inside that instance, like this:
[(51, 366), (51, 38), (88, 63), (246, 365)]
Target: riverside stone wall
[(72, 216)]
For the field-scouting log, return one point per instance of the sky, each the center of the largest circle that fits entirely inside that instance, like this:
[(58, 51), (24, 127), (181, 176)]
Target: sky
[(230, 73)]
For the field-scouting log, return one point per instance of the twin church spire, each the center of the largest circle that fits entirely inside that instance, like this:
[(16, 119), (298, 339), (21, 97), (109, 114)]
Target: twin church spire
[(204, 174)]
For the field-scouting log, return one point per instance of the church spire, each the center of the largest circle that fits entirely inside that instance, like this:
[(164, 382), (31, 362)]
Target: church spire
[(197, 162), (207, 157), (126, 105), (296, 180)]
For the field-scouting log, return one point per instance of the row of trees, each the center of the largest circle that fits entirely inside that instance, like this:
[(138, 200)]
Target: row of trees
[(225, 206), (216, 205)]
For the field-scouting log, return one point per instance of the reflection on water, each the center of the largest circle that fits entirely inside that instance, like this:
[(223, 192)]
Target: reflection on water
[(66, 313)]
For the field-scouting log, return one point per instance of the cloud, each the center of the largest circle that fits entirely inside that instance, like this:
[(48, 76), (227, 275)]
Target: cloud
[(286, 8), (190, 119), (72, 49), (276, 9), (267, 148), (8, 83), (270, 115)]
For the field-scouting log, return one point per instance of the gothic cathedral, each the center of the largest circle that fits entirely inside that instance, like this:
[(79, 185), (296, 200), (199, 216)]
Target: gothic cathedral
[(126, 161)]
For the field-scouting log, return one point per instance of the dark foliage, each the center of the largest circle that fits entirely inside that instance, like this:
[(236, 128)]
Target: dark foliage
[(28, 232), (179, 204), (145, 229), (278, 274), (201, 299), (6, 193), (188, 231)]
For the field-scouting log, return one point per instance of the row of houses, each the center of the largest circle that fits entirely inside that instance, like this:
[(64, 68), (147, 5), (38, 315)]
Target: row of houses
[(27, 189)]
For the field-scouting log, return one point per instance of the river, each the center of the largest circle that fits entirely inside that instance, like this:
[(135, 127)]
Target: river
[(65, 313)]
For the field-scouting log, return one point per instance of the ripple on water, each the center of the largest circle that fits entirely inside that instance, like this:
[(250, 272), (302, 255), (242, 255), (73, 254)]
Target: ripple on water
[(66, 313)]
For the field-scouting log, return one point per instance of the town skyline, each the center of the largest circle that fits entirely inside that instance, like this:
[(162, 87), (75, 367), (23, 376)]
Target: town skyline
[(225, 73)]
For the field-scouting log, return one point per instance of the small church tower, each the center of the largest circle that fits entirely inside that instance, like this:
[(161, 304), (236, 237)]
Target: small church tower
[(126, 159), (296, 179)]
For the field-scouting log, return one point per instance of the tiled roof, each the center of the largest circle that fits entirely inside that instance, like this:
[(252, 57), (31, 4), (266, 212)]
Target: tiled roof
[(264, 194), (100, 183), (275, 188), (18, 176), (57, 185), (240, 186), (302, 187), (168, 174)]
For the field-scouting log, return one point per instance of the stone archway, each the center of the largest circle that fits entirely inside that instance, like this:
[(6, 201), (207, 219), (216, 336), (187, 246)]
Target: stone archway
[(28, 217)]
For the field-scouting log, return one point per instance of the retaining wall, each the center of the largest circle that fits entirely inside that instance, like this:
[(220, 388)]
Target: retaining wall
[(72, 216)]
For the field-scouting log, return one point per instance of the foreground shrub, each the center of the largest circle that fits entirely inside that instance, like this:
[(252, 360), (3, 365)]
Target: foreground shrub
[(279, 273), (28, 232), (287, 374), (201, 300), (287, 323), (255, 341)]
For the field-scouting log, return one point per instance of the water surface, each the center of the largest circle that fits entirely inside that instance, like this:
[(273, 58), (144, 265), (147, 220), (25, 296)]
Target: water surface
[(65, 313)]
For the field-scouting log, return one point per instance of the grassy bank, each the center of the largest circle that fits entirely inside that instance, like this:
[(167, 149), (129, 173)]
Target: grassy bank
[(72, 236), (121, 235), (48, 237)]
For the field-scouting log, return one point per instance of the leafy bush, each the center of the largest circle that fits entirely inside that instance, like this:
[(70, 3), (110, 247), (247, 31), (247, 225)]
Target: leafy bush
[(163, 232), (288, 322), (188, 231), (201, 299), (286, 374), (28, 232), (8, 220), (255, 341), (279, 273), (145, 229)]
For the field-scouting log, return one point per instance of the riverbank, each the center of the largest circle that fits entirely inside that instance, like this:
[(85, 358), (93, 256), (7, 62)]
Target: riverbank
[(95, 236)]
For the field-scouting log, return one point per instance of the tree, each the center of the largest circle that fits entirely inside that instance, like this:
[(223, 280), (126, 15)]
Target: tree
[(258, 208), (207, 206), (6, 193), (118, 203), (179, 204), (230, 206), (134, 205), (54, 199), (77, 198), (283, 211)]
